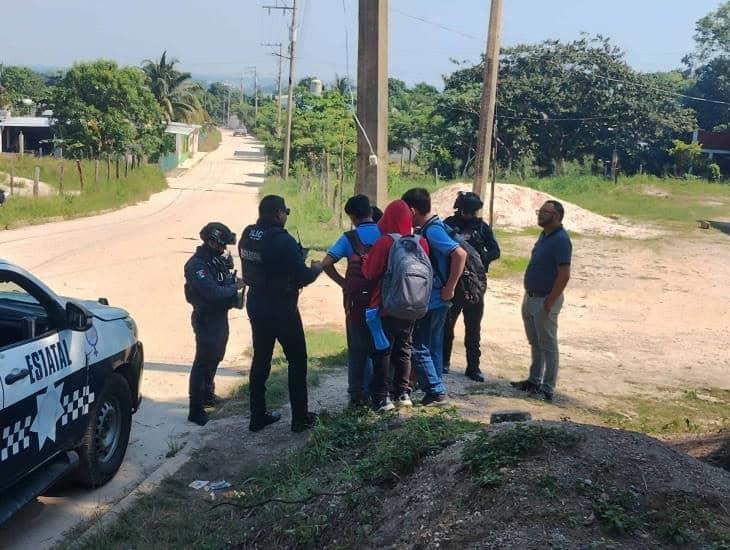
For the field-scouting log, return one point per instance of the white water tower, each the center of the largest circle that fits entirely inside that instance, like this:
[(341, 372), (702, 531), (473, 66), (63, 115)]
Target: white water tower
[(315, 86)]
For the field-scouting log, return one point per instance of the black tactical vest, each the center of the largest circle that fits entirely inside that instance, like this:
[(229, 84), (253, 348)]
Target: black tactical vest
[(254, 241)]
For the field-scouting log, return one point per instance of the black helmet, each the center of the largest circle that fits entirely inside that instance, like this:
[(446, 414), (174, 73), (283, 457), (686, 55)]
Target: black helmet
[(218, 232), (468, 202)]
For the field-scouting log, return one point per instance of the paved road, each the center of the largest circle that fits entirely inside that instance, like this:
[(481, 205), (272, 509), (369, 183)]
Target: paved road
[(134, 257)]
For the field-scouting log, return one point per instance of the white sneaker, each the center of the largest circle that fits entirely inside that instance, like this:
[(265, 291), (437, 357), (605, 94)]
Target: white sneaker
[(386, 405), (404, 400)]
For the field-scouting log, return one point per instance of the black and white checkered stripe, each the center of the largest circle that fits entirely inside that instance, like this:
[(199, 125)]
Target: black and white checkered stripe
[(15, 438), (76, 405)]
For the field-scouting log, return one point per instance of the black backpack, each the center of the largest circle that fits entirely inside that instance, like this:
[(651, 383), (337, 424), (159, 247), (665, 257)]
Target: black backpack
[(473, 281)]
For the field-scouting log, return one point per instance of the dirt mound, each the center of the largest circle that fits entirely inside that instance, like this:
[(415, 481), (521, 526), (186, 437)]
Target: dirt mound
[(515, 206), (531, 485), (621, 486)]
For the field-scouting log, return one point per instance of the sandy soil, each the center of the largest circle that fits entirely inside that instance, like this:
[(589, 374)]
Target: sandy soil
[(514, 208), (23, 187)]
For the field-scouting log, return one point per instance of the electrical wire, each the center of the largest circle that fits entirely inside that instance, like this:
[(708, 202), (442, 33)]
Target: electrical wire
[(437, 25)]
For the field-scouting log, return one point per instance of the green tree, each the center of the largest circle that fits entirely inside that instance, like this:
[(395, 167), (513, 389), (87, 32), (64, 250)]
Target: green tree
[(686, 156), (173, 89), (22, 83), (107, 109), (561, 102), (712, 36)]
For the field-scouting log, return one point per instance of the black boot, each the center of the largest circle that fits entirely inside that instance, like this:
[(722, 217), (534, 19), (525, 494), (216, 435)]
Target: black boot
[(198, 415), (305, 423), (258, 423), (475, 374)]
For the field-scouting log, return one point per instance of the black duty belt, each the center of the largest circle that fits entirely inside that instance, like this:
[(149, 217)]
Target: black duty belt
[(532, 294)]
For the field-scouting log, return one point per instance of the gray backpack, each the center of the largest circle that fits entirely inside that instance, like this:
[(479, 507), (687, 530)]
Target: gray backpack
[(408, 279)]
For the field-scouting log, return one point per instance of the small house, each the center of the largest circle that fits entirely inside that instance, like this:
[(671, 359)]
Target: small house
[(186, 139), (33, 133)]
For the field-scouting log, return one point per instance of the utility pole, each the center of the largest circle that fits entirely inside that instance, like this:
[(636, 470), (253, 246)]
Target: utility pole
[(372, 100), (255, 95), (489, 99), (290, 95), (281, 56)]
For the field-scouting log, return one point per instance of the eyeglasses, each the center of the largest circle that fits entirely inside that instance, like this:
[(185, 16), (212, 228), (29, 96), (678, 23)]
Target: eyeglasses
[(538, 212), (286, 211)]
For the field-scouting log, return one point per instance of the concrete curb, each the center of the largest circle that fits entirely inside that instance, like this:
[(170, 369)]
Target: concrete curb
[(153, 480)]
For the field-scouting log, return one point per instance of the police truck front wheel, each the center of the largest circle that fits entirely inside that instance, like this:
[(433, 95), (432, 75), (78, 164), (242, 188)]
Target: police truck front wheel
[(105, 442)]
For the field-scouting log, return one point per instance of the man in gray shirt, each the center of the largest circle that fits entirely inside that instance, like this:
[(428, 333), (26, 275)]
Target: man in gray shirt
[(546, 277)]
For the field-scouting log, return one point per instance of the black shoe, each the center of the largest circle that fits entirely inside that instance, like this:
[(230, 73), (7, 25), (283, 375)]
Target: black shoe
[(213, 401), (475, 375), (547, 393), (524, 385), (258, 423), (383, 405), (446, 369), (301, 424), (358, 402), (199, 417), (434, 400)]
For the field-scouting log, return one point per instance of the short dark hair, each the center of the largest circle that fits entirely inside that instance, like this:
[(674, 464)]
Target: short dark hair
[(419, 199), (358, 206), (270, 206), (558, 208)]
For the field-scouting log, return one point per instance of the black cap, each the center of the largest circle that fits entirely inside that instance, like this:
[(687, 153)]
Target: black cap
[(272, 204), (218, 232), (468, 202)]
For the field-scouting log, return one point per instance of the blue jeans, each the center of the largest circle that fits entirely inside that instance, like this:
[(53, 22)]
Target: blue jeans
[(359, 365), (428, 350)]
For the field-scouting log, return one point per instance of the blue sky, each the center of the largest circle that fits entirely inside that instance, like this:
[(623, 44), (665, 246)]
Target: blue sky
[(222, 37)]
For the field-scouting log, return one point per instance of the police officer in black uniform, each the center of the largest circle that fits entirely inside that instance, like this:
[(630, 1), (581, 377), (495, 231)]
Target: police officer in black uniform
[(274, 269), (477, 233), (212, 289)]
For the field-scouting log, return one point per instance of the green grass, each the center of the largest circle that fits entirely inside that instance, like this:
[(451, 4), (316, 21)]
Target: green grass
[(138, 186), (693, 411), (211, 140), (489, 452), (327, 351), (643, 198), (354, 456)]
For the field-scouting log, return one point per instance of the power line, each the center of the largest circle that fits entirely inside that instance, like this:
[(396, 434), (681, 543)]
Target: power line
[(437, 25), (662, 90)]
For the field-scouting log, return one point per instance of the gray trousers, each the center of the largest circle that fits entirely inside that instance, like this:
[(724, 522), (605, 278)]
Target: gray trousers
[(542, 334)]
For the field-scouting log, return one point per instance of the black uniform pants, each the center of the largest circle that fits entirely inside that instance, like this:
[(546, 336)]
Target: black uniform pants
[(211, 338), (473, 314), (266, 329)]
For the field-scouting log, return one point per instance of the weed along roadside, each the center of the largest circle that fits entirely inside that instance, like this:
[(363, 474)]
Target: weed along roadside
[(66, 199)]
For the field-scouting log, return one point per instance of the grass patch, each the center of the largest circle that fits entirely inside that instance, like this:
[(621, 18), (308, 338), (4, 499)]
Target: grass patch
[(349, 459), (693, 411), (210, 140), (508, 266), (327, 351), (138, 186), (489, 452), (644, 198)]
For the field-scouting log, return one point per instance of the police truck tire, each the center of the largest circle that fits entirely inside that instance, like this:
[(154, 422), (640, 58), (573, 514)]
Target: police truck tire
[(105, 442)]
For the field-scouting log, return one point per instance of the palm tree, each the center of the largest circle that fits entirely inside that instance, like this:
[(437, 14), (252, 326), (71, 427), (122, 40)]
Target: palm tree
[(172, 88)]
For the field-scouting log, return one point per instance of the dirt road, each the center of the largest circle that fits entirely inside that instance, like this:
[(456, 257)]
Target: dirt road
[(134, 257)]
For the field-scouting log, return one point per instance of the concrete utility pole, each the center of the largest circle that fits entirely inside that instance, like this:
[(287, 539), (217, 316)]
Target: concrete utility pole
[(489, 100), (372, 100), (290, 96), (281, 56), (255, 94)]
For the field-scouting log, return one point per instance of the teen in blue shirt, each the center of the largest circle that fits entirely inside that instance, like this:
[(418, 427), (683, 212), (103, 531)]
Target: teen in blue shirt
[(359, 342)]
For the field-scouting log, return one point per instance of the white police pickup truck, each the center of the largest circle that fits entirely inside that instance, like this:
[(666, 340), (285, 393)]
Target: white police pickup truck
[(70, 373)]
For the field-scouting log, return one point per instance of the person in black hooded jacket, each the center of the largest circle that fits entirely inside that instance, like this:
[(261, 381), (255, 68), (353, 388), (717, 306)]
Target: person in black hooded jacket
[(479, 234)]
